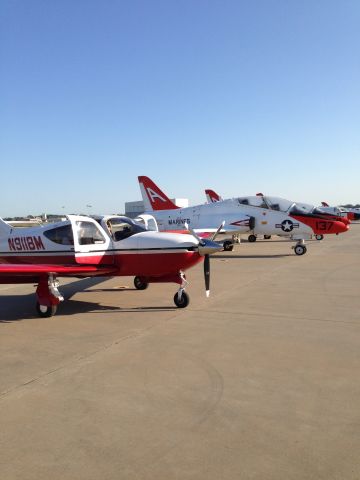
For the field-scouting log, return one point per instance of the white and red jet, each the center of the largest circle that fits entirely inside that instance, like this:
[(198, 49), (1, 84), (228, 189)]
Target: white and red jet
[(352, 214), (84, 247), (301, 223), (203, 219)]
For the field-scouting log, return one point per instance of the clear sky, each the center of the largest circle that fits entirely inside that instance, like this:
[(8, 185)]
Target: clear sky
[(236, 95)]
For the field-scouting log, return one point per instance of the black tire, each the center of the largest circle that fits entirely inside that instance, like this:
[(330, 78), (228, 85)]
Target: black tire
[(184, 300), (267, 237), (45, 311), (139, 284), (252, 238), (319, 237), (300, 249), (228, 246)]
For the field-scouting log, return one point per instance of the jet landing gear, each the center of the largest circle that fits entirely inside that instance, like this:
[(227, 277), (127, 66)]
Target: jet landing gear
[(300, 248), (48, 296), (252, 238), (319, 237)]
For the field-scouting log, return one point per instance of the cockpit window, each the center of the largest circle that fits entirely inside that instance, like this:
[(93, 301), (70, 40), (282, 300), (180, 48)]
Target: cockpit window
[(299, 210), (121, 228), (62, 235), (253, 202), (88, 233)]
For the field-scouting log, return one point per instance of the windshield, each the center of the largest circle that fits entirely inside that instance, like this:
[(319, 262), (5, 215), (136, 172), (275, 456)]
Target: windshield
[(123, 227), (253, 202)]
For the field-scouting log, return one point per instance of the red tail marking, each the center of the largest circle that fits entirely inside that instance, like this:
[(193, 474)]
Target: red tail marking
[(214, 197), (157, 198)]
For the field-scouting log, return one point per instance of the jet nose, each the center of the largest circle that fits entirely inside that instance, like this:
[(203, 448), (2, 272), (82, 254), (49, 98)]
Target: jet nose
[(340, 227)]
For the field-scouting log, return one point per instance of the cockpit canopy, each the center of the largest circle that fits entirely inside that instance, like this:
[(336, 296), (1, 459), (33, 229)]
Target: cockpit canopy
[(120, 227), (271, 203)]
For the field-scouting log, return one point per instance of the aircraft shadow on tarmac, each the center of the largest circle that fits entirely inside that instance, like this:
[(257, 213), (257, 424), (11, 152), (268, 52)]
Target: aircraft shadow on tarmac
[(22, 307), (252, 256)]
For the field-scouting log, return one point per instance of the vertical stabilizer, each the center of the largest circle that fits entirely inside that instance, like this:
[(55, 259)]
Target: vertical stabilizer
[(212, 196), (5, 228), (153, 197)]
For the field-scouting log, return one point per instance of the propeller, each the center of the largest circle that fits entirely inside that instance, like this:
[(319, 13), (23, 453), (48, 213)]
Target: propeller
[(206, 248)]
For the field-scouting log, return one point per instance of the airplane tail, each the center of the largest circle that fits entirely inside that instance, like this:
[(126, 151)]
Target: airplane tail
[(5, 228), (324, 204), (212, 196), (153, 197)]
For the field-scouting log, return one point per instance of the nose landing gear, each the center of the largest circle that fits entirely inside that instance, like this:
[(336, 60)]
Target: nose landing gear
[(181, 298), (300, 248)]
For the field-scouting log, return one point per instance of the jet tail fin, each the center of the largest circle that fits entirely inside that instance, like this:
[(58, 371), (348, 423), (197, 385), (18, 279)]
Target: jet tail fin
[(5, 228), (324, 204), (212, 196), (153, 197)]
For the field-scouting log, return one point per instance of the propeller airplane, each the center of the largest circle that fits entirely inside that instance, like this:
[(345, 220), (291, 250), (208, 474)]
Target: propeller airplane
[(107, 246)]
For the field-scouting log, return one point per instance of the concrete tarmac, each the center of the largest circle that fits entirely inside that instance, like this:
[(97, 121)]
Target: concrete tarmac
[(261, 381)]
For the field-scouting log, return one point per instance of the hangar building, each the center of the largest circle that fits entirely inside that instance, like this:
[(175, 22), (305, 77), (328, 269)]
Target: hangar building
[(133, 209)]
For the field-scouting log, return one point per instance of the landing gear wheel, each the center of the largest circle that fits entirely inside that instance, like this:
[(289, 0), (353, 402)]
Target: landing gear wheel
[(252, 238), (139, 284), (184, 300), (228, 246), (319, 237), (45, 311), (300, 249), (267, 237)]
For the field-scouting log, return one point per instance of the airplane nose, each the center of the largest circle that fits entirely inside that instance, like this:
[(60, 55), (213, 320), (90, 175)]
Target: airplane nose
[(340, 227), (207, 247), (345, 220)]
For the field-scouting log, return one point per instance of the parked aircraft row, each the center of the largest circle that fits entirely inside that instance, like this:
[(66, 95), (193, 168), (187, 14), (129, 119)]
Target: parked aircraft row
[(171, 241), (257, 215)]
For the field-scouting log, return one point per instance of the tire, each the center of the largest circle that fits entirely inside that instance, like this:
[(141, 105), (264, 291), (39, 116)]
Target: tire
[(139, 284), (184, 300), (300, 249), (45, 311), (252, 238), (319, 237), (228, 246), (267, 237)]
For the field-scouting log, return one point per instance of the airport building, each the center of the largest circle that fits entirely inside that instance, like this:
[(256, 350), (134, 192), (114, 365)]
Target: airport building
[(133, 209)]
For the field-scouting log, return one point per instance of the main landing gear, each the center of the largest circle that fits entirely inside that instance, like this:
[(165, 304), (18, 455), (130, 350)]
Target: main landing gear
[(140, 284), (300, 248), (319, 237), (48, 296), (228, 246), (252, 238)]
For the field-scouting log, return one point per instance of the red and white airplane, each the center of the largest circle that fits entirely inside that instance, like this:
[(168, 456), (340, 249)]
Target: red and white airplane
[(352, 214), (310, 221), (109, 246)]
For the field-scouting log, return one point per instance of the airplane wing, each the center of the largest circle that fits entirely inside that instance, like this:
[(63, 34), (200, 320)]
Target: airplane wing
[(60, 270)]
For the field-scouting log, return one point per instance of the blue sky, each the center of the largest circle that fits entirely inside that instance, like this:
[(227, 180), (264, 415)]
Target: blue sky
[(238, 96)]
